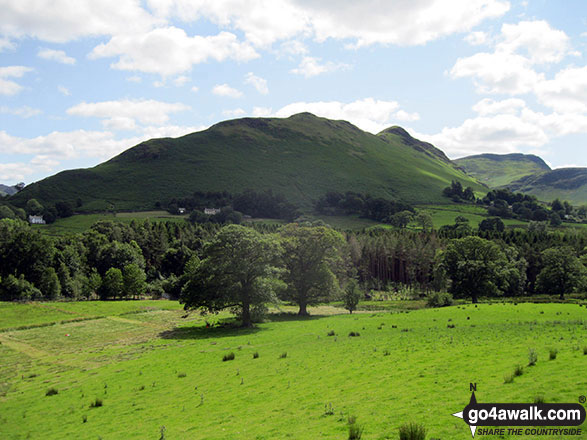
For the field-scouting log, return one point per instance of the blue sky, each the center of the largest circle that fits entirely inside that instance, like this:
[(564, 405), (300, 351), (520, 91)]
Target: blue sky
[(83, 80)]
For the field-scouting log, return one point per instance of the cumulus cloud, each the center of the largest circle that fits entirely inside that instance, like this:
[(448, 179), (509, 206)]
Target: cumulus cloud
[(123, 114), (170, 51), (257, 82), (15, 171), (24, 112), (566, 92), (59, 21), (227, 91), (234, 113), (369, 22), (488, 106), (311, 66), (55, 55), (9, 87)]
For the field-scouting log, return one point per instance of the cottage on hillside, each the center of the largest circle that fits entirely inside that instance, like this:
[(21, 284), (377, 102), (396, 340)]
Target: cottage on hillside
[(36, 220), (211, 211)]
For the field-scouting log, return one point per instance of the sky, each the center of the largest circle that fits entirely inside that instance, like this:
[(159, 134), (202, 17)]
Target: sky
[(83, 80)]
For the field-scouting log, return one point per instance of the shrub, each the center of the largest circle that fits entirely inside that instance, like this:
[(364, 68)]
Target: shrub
[(331, 333), (52, 391), (412, 431), (355, 430), (440, 299), (228, 357), (84, 419), (539, 398), (552, 354), (508, 378), (180, 375), (450, 326), (532, 357), (585, 350), (96, 403), (255, 355), (351, 334), (283, 355), (518, 371)]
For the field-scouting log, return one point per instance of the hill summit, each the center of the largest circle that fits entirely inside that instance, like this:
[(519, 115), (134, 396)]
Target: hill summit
[(301, 157)]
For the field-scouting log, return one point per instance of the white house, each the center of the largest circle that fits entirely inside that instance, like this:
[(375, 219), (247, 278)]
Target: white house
[(211, 211), (36, 220)]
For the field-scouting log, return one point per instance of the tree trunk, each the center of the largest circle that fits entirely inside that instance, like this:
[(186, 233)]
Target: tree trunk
[(474, 297), (303, 309), (246, 316)]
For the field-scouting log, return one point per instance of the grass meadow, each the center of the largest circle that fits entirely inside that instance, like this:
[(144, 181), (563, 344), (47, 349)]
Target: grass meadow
[(145, 370)]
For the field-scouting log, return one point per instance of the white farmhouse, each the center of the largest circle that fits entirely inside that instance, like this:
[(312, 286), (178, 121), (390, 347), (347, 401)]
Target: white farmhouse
[(36, 220), (211, 211)]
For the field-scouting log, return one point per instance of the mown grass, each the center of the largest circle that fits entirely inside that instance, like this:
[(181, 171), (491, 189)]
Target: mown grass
[(404, 368)]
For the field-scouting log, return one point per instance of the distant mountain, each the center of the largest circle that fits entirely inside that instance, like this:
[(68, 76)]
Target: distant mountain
[(562, 183), (301, 157), (7, 190), (497, 170)]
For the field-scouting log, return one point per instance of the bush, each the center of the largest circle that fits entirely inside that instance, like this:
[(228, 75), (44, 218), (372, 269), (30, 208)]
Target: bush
[(532, 357), (355, 430), (552, 354), (508, 378), (228, 357), (518, 371), (96, 403), (52, 391), (539, 398), (256, 355), (585, 350), (283, 355), (352, 334), (180, 375), (440, 299), (331, 333), (412, 431)]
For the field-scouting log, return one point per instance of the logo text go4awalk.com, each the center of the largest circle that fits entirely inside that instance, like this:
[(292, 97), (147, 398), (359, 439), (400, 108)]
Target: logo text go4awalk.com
[(559, 417)]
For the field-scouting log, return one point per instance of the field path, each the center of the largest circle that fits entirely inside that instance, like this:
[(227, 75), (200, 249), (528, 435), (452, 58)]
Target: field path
[(37, 354)]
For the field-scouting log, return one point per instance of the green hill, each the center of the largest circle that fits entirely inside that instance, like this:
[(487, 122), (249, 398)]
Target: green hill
[(501, 169), (563, 183), (301, 157)]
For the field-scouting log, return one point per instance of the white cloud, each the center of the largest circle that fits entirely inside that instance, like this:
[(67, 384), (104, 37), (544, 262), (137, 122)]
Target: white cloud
[(293, 47), (226, 90), (181, 80), (195, 89), (64, 90), (536, 39), (488, 106), (234, 113), (368, 114), (55, 55), (310, 66), (60, 21), (257, 82), (24, 112), (404, 116), (567, 91), (123, 114), (6, 44), (135, 79), (9, 87), (367, 22), (15, 172), (498, 72), (477, 38), (170, 51), (261, 111)]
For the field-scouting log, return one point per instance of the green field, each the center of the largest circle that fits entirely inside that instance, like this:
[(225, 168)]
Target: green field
[(152, 367)]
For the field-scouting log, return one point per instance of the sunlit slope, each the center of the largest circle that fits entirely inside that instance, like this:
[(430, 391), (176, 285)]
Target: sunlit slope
[(301, 157)]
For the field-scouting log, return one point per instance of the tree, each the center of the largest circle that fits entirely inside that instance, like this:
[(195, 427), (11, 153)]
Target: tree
[(33, 207), (492, 224), (64, 209), (424, 219), (311, 256), (112, 284), (238, 270), (134, 280), (562, 272), (401, 219), (474, 266), (351, 296)]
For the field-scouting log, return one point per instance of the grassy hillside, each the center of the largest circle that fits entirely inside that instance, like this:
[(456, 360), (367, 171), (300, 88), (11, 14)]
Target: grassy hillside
[(301, 157), (563, 183), (501, 169), (155, 372)]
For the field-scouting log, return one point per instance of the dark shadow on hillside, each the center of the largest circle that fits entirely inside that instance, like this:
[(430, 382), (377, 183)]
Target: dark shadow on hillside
[(202, 332), (284, 316)]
